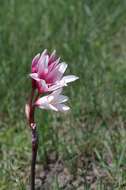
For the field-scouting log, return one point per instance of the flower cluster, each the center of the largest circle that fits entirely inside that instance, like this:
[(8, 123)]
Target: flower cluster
[(47, 77)]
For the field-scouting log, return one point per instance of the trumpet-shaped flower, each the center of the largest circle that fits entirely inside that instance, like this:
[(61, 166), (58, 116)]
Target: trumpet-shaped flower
[(47, 72), (54, 101)]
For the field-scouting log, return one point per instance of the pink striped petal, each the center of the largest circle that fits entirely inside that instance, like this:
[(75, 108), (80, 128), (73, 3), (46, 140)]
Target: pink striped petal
[(43, 65), (53, 64), (57, 73), (35, 62)]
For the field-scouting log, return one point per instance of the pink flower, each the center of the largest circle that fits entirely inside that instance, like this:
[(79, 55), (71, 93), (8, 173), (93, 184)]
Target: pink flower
[(53, 101), (47, 72)]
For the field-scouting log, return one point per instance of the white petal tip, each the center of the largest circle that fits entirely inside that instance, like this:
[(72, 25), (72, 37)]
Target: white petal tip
[(66, 108), (44, 52), (69, 78), (76, 78), (34, 76), (54, 52)]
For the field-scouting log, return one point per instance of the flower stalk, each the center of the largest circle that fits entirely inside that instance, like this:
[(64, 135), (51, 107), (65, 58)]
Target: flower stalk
[(34, 154), (30, 112)]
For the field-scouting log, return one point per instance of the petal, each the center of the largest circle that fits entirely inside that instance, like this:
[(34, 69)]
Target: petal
[(63, 67), (57, 73), (46, 64), (53, 55), (61, 99), (44, 52), (41, 64), (50, 98), (44, 104), (54, 87), (43, 86), (69, 78), (57, 97), (52, 107), (53, 64), (35, 59), (62, 107), (43, 100), (34, 62), (34, 76), (57, 92), (49, 107)]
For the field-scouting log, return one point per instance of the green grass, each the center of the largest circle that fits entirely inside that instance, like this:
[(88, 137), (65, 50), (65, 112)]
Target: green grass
[(91, 37)]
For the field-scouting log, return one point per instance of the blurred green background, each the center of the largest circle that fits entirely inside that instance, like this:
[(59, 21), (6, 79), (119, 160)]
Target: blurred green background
[(90, 35)]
